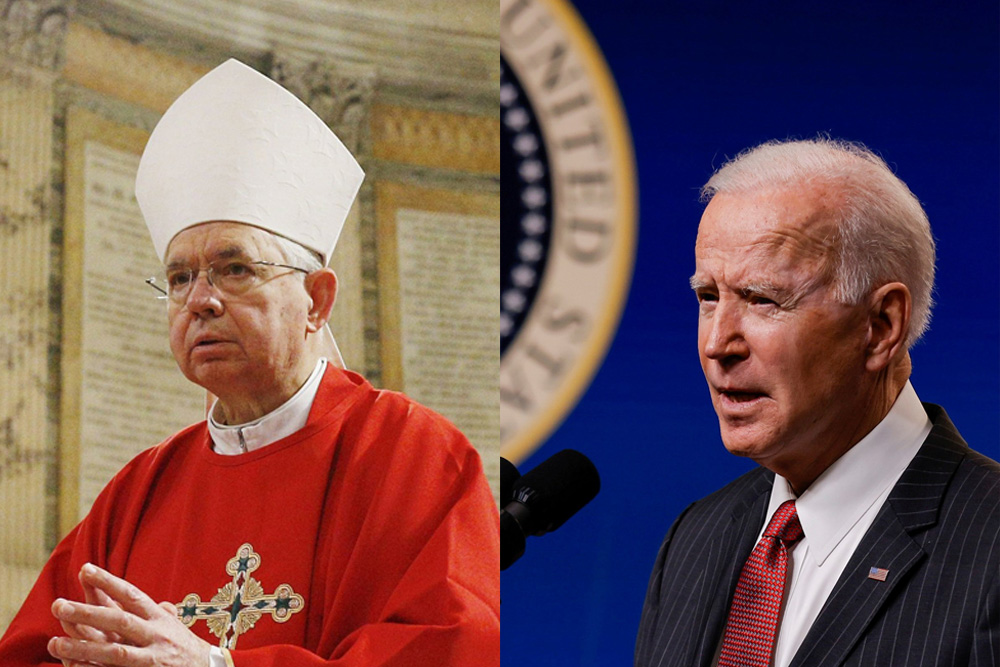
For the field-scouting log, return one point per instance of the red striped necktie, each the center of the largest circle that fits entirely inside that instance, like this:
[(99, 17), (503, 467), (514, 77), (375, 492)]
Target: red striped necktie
[(753, 616)]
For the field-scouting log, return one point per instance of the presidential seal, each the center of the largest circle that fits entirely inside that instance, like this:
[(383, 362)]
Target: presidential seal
[(568, 220)]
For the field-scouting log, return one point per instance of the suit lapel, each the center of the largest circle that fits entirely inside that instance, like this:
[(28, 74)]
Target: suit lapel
[(889, 544), (737, 541)]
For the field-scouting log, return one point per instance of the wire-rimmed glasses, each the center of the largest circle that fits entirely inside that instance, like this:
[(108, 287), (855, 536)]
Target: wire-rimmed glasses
[(232, 277)]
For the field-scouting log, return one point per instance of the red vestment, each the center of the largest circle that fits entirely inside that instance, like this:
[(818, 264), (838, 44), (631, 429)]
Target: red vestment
[(369, 538)]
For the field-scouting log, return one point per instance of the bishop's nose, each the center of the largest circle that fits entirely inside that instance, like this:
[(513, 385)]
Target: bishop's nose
[(203, 298)]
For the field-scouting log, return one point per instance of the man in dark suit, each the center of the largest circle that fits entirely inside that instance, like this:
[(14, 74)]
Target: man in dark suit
[(870, 535)]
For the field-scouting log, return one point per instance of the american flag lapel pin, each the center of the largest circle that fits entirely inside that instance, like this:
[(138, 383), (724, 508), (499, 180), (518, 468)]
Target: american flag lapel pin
[(878, 573)]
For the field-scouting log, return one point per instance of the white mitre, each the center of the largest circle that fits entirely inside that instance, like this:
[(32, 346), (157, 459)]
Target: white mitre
[(237, 146)]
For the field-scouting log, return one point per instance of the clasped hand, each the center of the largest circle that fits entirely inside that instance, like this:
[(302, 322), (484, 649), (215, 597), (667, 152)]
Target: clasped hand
[(118, 625)]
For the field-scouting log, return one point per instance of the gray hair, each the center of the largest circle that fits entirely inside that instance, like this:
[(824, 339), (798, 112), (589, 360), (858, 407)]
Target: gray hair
[(883, 232), (295, 254)]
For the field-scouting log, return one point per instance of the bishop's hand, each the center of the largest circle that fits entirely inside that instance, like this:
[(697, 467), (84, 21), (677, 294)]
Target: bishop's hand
[(120, 626)]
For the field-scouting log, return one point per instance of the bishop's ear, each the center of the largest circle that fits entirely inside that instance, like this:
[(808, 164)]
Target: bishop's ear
[(889, 320), (322, 288)]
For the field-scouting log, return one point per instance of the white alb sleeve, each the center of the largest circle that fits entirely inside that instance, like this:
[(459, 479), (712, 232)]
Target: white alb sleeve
[(217, 658)]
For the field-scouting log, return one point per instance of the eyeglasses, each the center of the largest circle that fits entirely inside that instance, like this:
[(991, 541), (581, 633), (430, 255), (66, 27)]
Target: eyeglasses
[(232, 277)]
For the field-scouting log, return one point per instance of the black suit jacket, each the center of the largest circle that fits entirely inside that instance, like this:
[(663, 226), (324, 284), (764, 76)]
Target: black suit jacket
[(938, 535)]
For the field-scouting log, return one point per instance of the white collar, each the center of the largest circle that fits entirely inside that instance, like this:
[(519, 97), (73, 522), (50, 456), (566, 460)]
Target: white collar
[(839, 497), (281, 422)]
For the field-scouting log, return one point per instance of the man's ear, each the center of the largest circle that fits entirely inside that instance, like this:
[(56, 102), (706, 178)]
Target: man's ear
[(322, 288), (888, 322)]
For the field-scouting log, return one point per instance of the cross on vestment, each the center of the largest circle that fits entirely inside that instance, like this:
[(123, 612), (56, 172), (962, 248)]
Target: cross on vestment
[(240, 603)]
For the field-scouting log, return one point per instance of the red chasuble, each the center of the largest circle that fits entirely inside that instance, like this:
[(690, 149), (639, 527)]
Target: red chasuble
[(368, 538)]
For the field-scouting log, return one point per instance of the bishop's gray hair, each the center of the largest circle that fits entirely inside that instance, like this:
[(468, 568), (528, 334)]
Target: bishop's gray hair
[(295, 254), (883, 232)]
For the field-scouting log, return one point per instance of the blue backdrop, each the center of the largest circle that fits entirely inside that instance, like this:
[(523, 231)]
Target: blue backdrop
[(915, 81)]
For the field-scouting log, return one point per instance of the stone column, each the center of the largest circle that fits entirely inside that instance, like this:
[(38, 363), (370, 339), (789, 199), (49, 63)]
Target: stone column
[(31, 46)]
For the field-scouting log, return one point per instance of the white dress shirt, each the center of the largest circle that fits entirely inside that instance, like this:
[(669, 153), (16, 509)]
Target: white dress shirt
[(836, 511), (281, 422)]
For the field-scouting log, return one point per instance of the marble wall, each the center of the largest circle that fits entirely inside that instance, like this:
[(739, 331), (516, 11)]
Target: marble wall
[(31, 36)]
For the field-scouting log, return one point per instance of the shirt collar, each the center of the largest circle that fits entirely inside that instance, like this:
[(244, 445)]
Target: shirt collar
[(280, 423), (839, 497)]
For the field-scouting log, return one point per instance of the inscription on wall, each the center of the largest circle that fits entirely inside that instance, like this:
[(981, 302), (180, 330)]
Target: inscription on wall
[(132, 394), (449, 279)]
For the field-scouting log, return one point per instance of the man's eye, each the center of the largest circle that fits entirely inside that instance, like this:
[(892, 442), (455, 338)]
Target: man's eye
[(179, 279), (706, 296), (236, 270), (757, 300)]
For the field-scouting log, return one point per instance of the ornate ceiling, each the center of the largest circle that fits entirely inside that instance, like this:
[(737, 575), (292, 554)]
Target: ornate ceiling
[(447, 44)]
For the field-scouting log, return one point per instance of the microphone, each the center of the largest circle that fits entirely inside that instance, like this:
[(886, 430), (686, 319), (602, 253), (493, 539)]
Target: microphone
[(544, 498), (508, 475)]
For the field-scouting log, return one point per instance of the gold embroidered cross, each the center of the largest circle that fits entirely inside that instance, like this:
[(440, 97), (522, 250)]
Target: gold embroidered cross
[(240, 604)]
